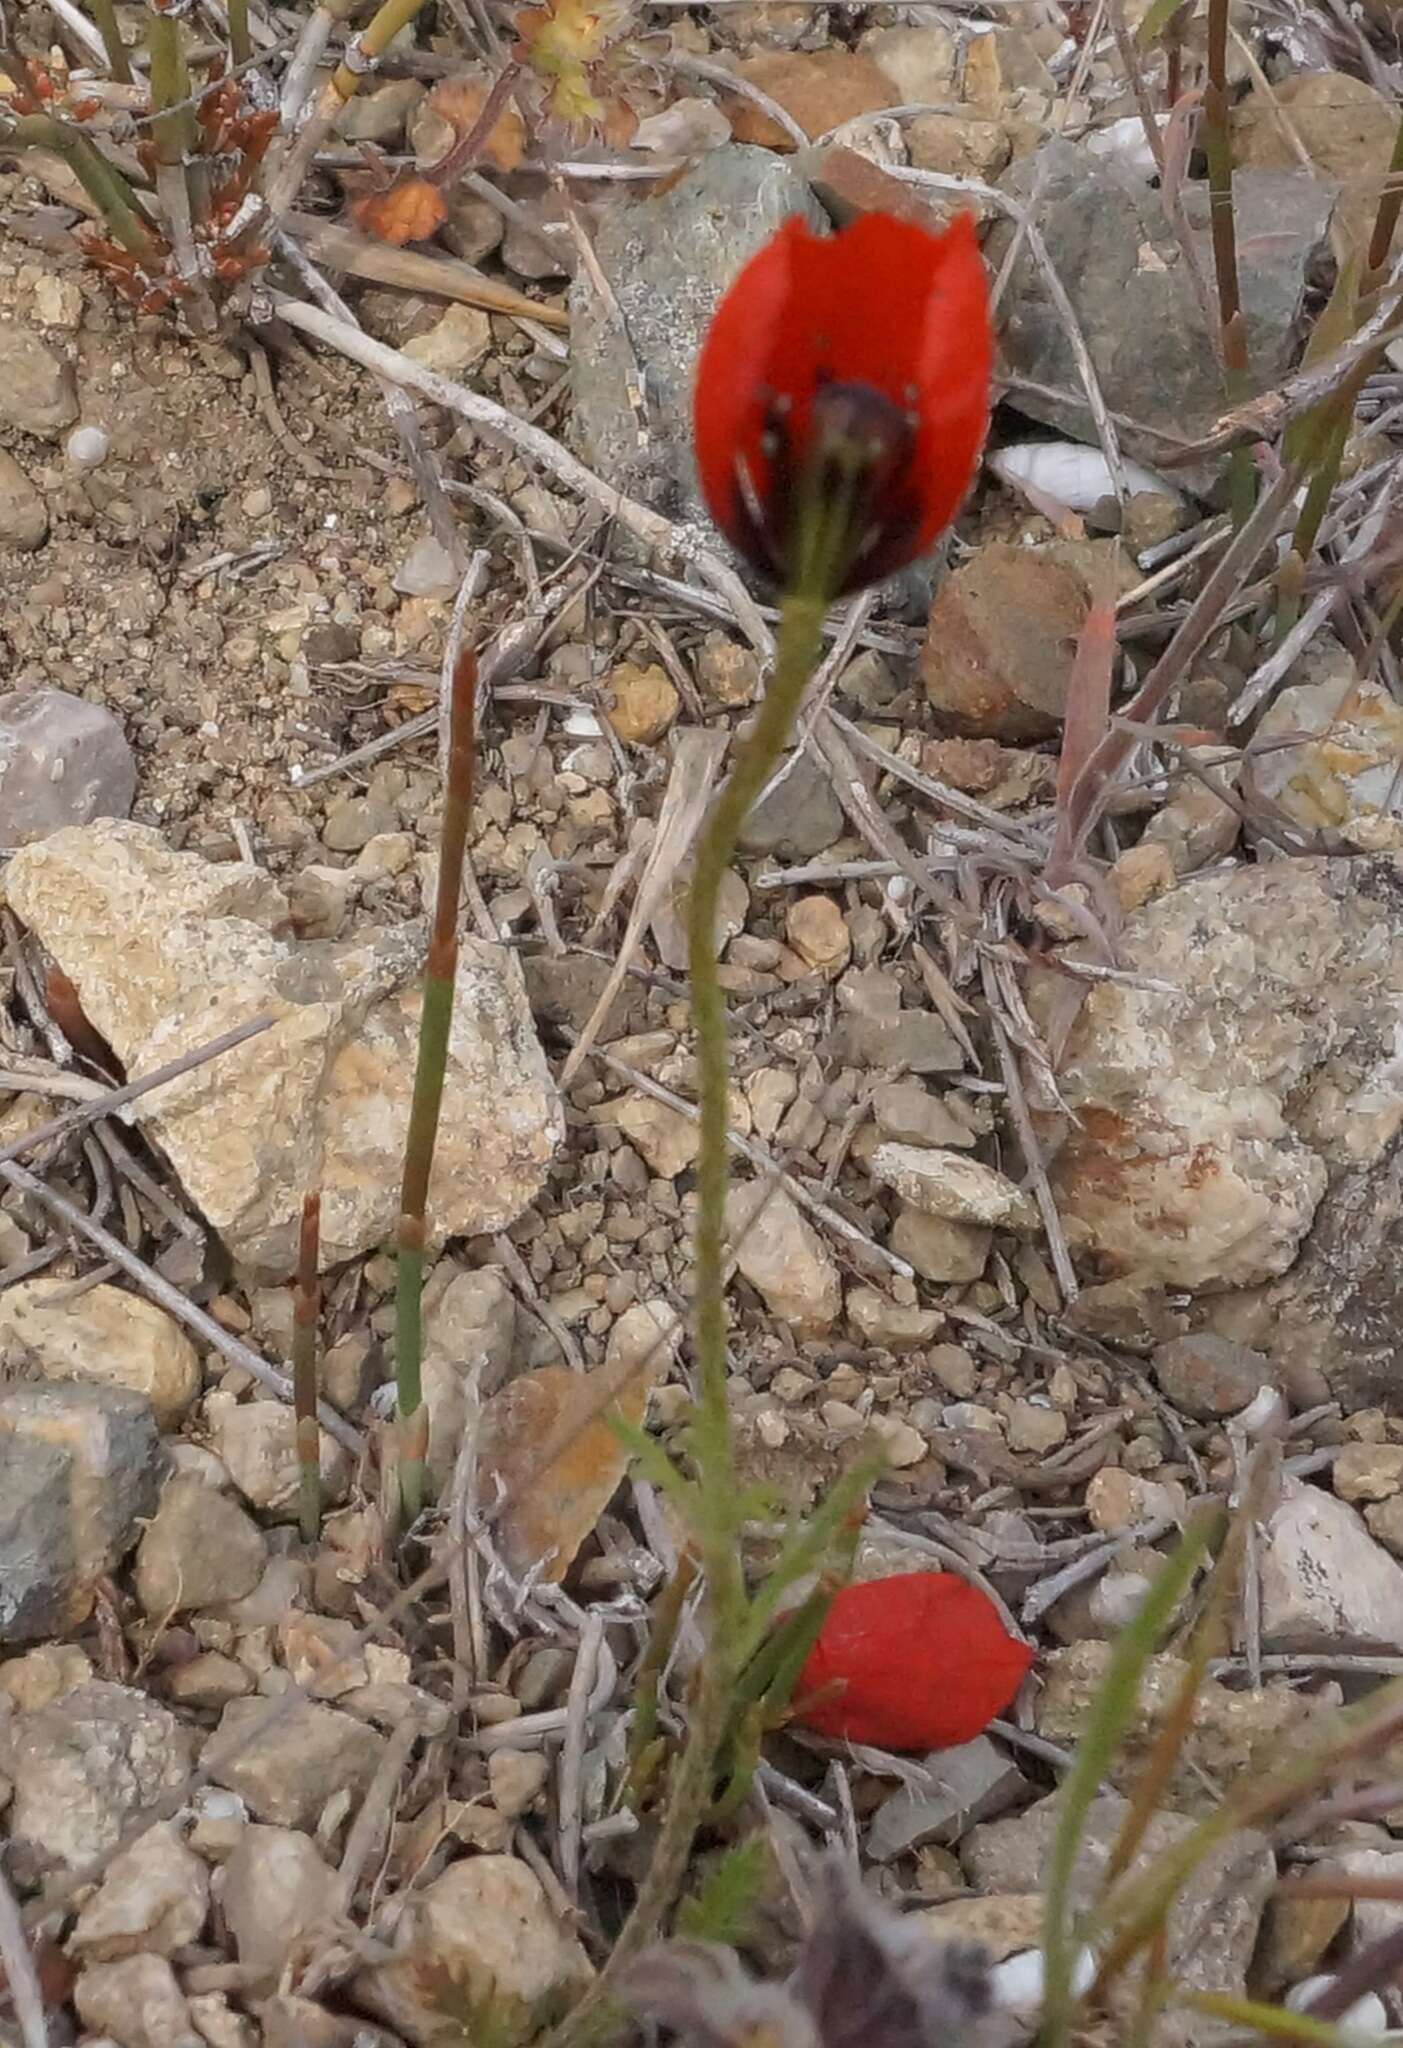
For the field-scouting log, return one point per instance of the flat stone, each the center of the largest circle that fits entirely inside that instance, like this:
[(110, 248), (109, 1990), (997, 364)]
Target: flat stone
[(86, 1463), (997, 657), (797, 816), (84, 1768), (668, 257), (1231, 1733), (909, 1114), (889, 1325), (153, 1897), (198, 1550), (104, 1336), (784, 1258), (62, 762), (956, 1789), (949, 1185), (1368, 1472), (278, 1893), (381, 114), (24, 517), (258, 1442), (1208, 1375), (167, 950), (470, 1340), (1212, 1925), (487, 1925), (37, 391), (1346, 127), (818, 89), (1110, 244), (285, 1766), (1326, 1584), (456, 342), (941, 1249)]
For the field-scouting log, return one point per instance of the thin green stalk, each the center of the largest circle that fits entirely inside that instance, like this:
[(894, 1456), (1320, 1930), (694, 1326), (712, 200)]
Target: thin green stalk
[(435, 1023), (1386, 219), (306, 1307), (103, 182), (240, 41), (173, 126), (1222, 222), (105, 15)]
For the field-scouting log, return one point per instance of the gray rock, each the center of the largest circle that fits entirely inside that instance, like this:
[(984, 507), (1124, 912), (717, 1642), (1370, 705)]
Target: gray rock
[(62, 762), (86, 1463), (957, 1789), (166, 950), (1108, 240), (352, 821), (38, 1572), (285, 1758), (1207, 1375), (24, 517), (1213, 1922), (797, 816), (83, 1769), (1213, 1119), (199, 1550), (669, 259), (37, 391)]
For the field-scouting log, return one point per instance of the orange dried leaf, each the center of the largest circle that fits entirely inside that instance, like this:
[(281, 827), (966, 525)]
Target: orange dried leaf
[(407, 211), (460, 101)]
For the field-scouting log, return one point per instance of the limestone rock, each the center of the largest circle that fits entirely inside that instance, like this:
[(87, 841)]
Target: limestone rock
[(668, 257), (1343, 780), (470, 1329), (258, 1442), (940, 1248), (277, 1891), (1326, 1584), (1213, 1923), (83, 1768), (105, 1336), (24, 517), (198, 1550), (153, 1897), (37, 391), (167, 950), (487, 1928), (946, 1184), (286, 1757), (136, 2003), (782, 1255), (1232, 1734), (642, 702), (63, 761), (1212, 1120)]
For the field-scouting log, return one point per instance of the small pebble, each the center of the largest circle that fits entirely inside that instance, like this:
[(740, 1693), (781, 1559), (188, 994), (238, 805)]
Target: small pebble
[(86, 447)]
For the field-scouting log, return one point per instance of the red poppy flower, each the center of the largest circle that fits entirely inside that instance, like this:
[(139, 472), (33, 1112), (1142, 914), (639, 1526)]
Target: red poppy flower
[(843, 387), (917, 1661)]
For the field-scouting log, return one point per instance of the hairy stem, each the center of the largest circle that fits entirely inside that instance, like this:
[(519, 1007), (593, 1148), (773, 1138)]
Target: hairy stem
[(306, 1308), (435, 1023)]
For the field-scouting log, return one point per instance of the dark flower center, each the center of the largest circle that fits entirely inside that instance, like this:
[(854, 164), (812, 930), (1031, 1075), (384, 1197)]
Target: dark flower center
[(839, 506)]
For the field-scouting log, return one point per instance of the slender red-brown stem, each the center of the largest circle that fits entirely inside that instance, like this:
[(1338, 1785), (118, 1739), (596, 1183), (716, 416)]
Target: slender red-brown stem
[(435, 1023), (306, 1308)]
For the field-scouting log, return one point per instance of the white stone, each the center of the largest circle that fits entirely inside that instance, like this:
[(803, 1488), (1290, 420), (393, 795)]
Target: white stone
[(258, 1442), (1326, 1584), (949, 1184), (782, 1255), (153, 1897)]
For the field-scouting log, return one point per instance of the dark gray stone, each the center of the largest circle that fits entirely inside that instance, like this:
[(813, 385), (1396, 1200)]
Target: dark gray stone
[(1109, 242), (62, 762), (87, 1464), (797, 816), (669, 259), (957, 1789)]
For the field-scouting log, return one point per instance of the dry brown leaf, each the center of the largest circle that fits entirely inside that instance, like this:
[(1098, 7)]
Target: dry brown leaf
[(408, 211)]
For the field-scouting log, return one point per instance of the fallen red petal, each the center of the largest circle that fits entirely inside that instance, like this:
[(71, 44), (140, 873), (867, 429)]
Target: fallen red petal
[(917, 1661)]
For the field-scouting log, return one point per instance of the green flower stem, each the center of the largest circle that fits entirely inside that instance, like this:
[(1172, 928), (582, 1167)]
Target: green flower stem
[(435, 1023), (1222, 219), (240, 41), (306, 1307), (174, 125), (105, 15), (103, 182)]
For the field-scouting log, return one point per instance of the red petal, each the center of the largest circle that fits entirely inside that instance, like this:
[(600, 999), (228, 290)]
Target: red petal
[(884, 303), (918, 1661)]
